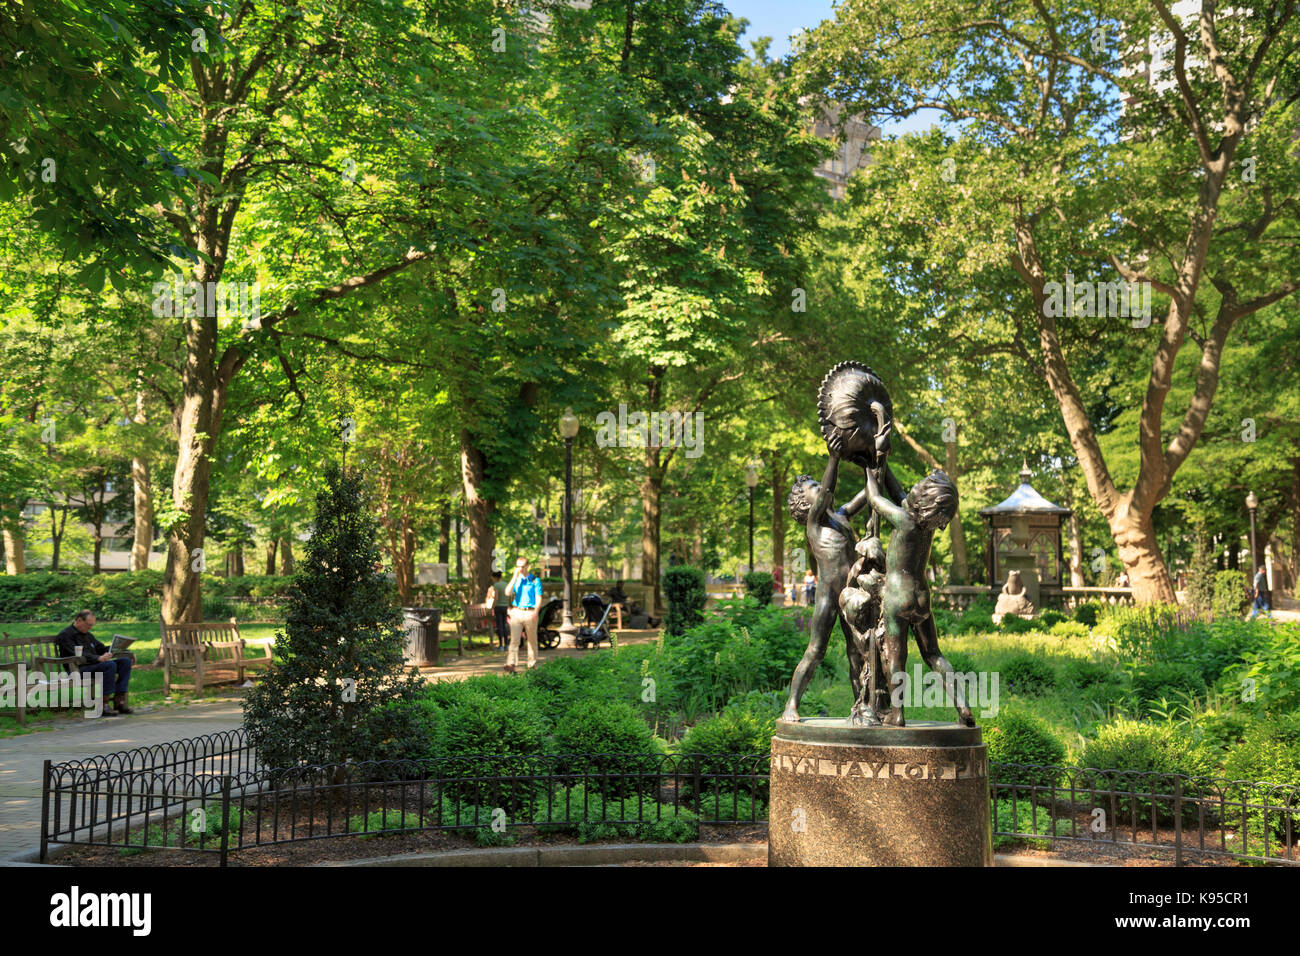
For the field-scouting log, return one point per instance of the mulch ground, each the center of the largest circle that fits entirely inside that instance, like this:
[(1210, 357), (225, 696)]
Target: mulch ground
[(347, 848)]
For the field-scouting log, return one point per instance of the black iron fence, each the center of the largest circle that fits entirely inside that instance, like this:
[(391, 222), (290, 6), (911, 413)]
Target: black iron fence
[(209, 795), (1193, 817)]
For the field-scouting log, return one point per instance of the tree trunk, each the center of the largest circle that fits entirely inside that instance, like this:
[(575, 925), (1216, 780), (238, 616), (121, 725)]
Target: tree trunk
[(458, 536), (272, 547), (778, 469), (959, 573), (98, 552), (1295, 524), (142, 487), (286, 555), (404, 561), (143, 490), (651, 488), (478, 509), (15, 542), (444, 532), (200, 423), (1076, 550), (1140, 553), (56, 534), (652, 484)]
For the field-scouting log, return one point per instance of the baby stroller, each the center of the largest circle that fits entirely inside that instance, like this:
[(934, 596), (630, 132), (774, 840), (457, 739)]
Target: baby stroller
[(594, 630), (547, 635)]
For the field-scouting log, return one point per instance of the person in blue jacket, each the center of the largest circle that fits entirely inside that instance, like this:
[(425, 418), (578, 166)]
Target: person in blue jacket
[(525, 593)]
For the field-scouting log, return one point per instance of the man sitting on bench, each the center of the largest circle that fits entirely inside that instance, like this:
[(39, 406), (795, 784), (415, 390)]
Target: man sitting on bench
[(75, 640)]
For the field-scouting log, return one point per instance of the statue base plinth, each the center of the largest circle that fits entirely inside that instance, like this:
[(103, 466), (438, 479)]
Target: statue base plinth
[(878, 796)]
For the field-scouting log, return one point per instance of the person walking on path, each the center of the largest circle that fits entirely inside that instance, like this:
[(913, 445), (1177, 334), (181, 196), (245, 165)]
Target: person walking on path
[(1261, 595), (498, 600), (809, 587), (525, 593), (75, 640)]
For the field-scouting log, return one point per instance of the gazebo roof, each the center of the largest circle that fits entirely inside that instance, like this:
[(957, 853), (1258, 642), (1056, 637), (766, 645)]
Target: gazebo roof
[(1025, 500)]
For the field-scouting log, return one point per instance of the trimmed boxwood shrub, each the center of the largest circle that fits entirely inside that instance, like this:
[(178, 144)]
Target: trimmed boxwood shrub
[(1167, 679), (961, 662), (977, 617), (1021, 738), (1088, 673), (1014, 624), (1027, 675), (1086, 613), (613, 730), (1230, 599), (684, 590), (1069, 629), (759, 585), (744, 727), (1135, 746), (510, 731), (1146, 756), (1270, 753), (1049, 619)]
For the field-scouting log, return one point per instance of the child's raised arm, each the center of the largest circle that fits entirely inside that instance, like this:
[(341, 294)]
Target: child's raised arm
[(858, 503), (826, 493), (883, 505)]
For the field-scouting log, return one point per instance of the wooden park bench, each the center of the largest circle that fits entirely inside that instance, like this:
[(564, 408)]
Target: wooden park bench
[(38, 654), (477, 619), (206, 648)]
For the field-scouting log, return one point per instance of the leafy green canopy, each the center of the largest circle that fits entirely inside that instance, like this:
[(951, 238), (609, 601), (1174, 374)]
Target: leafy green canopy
[(82, 115)]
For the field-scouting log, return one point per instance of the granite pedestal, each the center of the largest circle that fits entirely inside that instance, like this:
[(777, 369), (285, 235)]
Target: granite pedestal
[(878, 796)]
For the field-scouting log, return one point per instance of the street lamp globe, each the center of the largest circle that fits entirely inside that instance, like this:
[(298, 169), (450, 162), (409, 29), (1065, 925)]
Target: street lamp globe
[(751, 476), (568, 424), (1251, 501)]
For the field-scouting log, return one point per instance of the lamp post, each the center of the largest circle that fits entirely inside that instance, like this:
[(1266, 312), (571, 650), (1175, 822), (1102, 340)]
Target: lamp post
[(568, 431), (1252, 503), (751, 479)]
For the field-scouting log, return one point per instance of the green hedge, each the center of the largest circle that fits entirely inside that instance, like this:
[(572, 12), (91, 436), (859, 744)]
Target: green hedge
[(684, 590), (1027, 676), (759, 585), (1149, 754), (1016, 737), (1230, 600)]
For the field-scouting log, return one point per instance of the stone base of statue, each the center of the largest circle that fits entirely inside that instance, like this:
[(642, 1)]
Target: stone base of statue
[(878, 796)]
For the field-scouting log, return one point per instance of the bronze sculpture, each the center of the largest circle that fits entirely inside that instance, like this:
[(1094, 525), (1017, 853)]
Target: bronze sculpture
[(877, 596)]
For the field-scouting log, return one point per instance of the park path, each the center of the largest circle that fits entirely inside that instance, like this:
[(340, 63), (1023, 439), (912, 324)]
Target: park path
[(22, 758)]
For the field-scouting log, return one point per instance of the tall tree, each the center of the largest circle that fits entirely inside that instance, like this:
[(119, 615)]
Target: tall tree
[(1183, 127)]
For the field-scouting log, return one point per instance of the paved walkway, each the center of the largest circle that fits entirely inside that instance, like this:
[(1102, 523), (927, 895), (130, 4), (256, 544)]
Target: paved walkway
[(479, 660), (22, 758)]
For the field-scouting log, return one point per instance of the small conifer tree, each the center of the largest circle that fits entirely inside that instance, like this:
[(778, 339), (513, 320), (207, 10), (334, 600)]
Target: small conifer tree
[(339, 689)]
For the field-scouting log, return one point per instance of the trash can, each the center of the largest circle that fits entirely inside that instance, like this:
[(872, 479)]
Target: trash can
[(421, 625)]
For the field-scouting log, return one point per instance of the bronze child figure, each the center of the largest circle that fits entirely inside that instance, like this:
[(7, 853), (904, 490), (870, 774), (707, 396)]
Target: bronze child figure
[(929, 506), (860, 604), (832, 542)]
